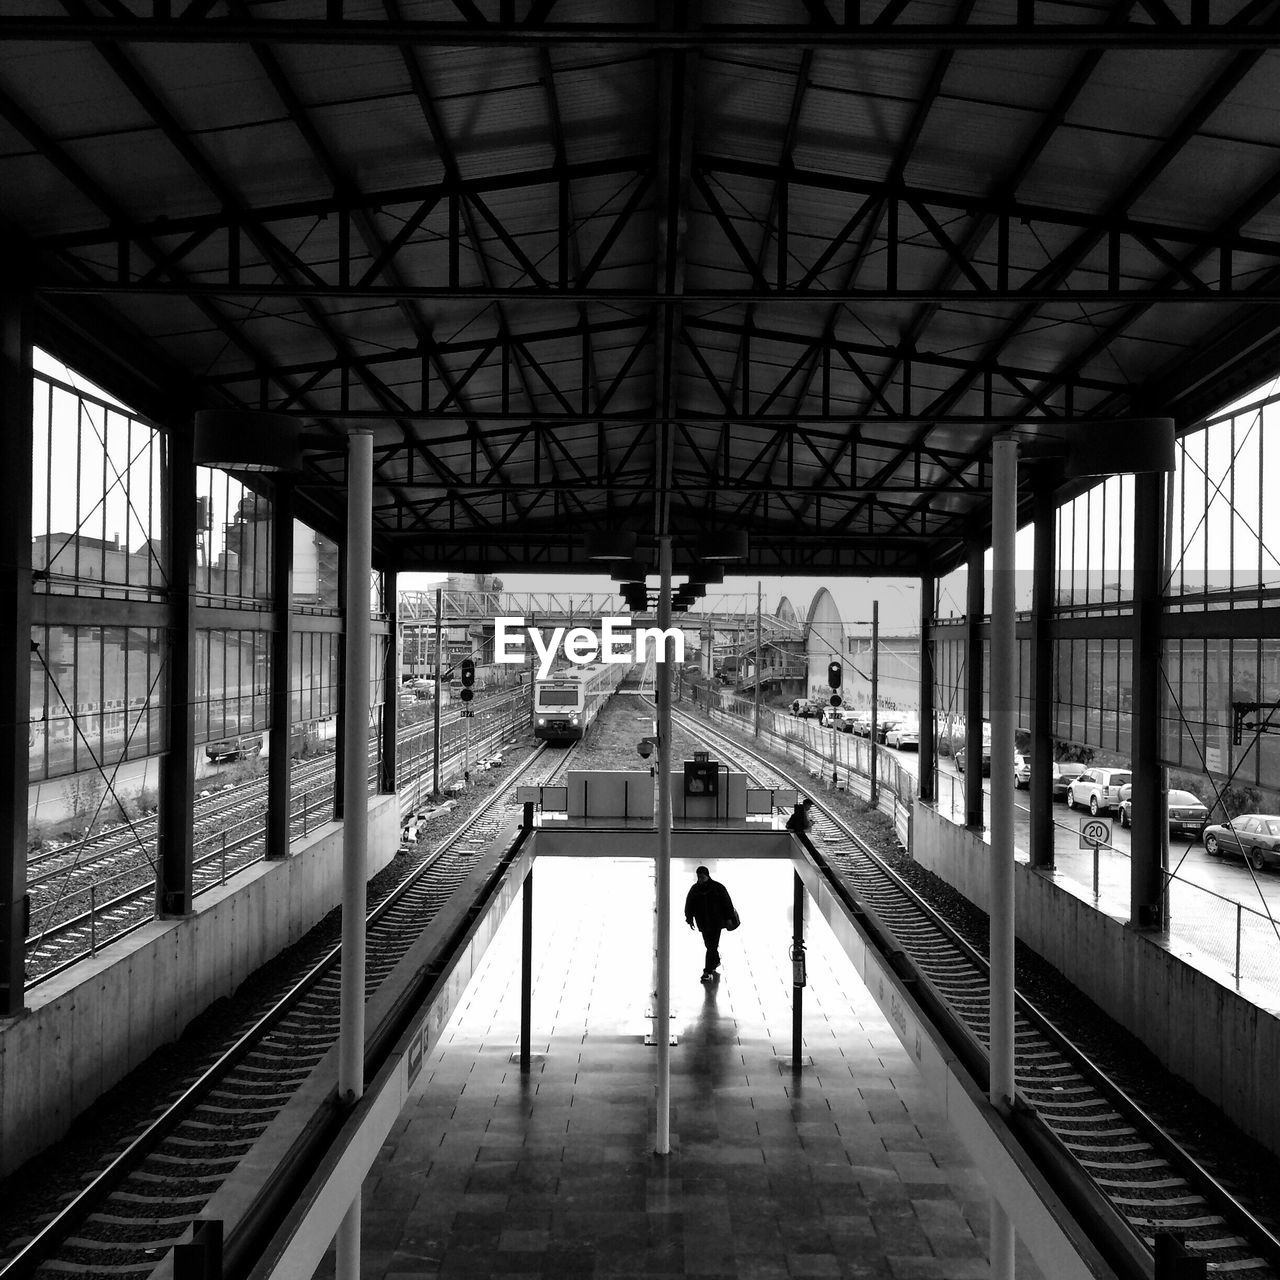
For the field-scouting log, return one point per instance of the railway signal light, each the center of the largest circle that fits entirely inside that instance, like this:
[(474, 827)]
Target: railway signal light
[(835, 673), (468, 674)]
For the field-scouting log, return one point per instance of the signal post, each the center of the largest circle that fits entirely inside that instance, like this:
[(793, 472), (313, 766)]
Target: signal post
[(467, 674)]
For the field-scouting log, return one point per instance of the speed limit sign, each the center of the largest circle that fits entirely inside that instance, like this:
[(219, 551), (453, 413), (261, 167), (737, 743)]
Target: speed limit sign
[(1094, 831)]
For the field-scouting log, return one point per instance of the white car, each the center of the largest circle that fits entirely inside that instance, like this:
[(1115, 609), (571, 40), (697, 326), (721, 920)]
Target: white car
[(1021, 771), (1098, 789), (903, 735)]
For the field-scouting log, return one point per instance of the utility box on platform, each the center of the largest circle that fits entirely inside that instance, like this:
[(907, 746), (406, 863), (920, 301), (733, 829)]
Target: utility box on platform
[(712, 797), (701, 777)]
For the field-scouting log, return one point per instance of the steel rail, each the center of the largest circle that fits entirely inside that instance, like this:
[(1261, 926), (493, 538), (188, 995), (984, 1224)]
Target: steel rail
[(214, 813), (1125, 1243), (55, 1234)]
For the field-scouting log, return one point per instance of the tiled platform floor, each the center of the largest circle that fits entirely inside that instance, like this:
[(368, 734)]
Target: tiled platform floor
[(843, 1170)]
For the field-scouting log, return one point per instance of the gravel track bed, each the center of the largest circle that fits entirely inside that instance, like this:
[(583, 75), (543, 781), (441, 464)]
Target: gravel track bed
[(1244, 1167), (35, 1191)]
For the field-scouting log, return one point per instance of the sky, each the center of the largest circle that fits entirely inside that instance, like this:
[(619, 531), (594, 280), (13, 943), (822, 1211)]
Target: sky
[(899, 597)]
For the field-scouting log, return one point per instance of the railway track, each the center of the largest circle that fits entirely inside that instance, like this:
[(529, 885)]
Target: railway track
[(1115, 1163), (1116, 1167), (134, 1211), (87, 895)]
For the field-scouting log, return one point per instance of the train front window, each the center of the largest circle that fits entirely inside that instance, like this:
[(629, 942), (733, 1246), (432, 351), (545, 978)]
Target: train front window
[(558, 698)]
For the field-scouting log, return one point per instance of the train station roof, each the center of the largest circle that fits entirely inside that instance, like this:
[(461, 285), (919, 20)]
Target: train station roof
[(776, 268)]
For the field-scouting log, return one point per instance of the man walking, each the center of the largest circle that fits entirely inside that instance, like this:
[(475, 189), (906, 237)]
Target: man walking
[(709, 909)]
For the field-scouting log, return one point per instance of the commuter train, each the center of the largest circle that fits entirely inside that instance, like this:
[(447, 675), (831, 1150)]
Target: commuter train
[(566, 702)]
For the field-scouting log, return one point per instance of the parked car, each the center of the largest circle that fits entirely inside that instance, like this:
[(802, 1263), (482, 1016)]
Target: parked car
[(804, 707), (830, 717), (1065, 772), (1021, 771), (1252, 836), (905, 735), (986, 759), (860, 724), (883, 726), (1097, 790), (1187, 812)]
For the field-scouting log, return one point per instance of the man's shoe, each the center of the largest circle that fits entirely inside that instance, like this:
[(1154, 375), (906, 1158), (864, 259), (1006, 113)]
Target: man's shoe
[(707, 976)]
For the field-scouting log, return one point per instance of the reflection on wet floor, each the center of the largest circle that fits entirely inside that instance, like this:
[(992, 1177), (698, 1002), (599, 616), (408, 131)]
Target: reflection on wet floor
[(842, 1169)]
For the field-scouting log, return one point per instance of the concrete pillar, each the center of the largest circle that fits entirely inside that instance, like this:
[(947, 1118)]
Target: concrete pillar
[(975, 608), (340, 711), (15, 642), (1040, 790), (177, 769), (928, 708), (390, 685), (279, 741), (1150, 830)]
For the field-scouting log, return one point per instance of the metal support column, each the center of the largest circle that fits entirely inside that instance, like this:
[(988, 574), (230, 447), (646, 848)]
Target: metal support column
[(280, 737), (526, 970), (435, 711), (759, 660), (390, 686), (874, 738), (928, 708), (662, 877), (1004, 687), (1146, 882), (177, 768), (797, 958), (355, 825), (1040, 788), (340, 712), (15, 642), (975, 606)]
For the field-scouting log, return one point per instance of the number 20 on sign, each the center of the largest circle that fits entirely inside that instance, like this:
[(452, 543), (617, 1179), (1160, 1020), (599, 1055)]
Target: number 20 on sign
[(1094, 831)]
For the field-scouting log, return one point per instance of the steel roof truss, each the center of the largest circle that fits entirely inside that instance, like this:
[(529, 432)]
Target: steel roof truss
[(864, 23)]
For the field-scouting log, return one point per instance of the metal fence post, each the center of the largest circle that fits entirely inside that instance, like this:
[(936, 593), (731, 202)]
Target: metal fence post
[(93, 919), (1239, 929)]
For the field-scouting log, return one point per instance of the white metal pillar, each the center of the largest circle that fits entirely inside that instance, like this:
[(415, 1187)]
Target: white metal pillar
[(662, 878), (355, 807), (1004, 677)]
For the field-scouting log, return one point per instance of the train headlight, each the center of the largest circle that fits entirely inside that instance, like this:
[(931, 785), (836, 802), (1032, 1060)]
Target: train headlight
[(542, 719), (575, 718)]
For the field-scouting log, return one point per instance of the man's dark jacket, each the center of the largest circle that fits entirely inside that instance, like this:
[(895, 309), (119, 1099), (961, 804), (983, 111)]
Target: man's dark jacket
[(708, 905)]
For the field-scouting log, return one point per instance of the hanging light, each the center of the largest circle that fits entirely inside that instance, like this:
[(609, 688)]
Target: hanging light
[(619, 545)]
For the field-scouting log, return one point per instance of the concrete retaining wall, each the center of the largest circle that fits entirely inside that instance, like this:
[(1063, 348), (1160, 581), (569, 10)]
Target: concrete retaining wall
[(84, 1030), (1202, 1029)]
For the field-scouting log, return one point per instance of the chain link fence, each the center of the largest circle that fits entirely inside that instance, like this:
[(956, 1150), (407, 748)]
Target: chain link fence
[(1210, 931)]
